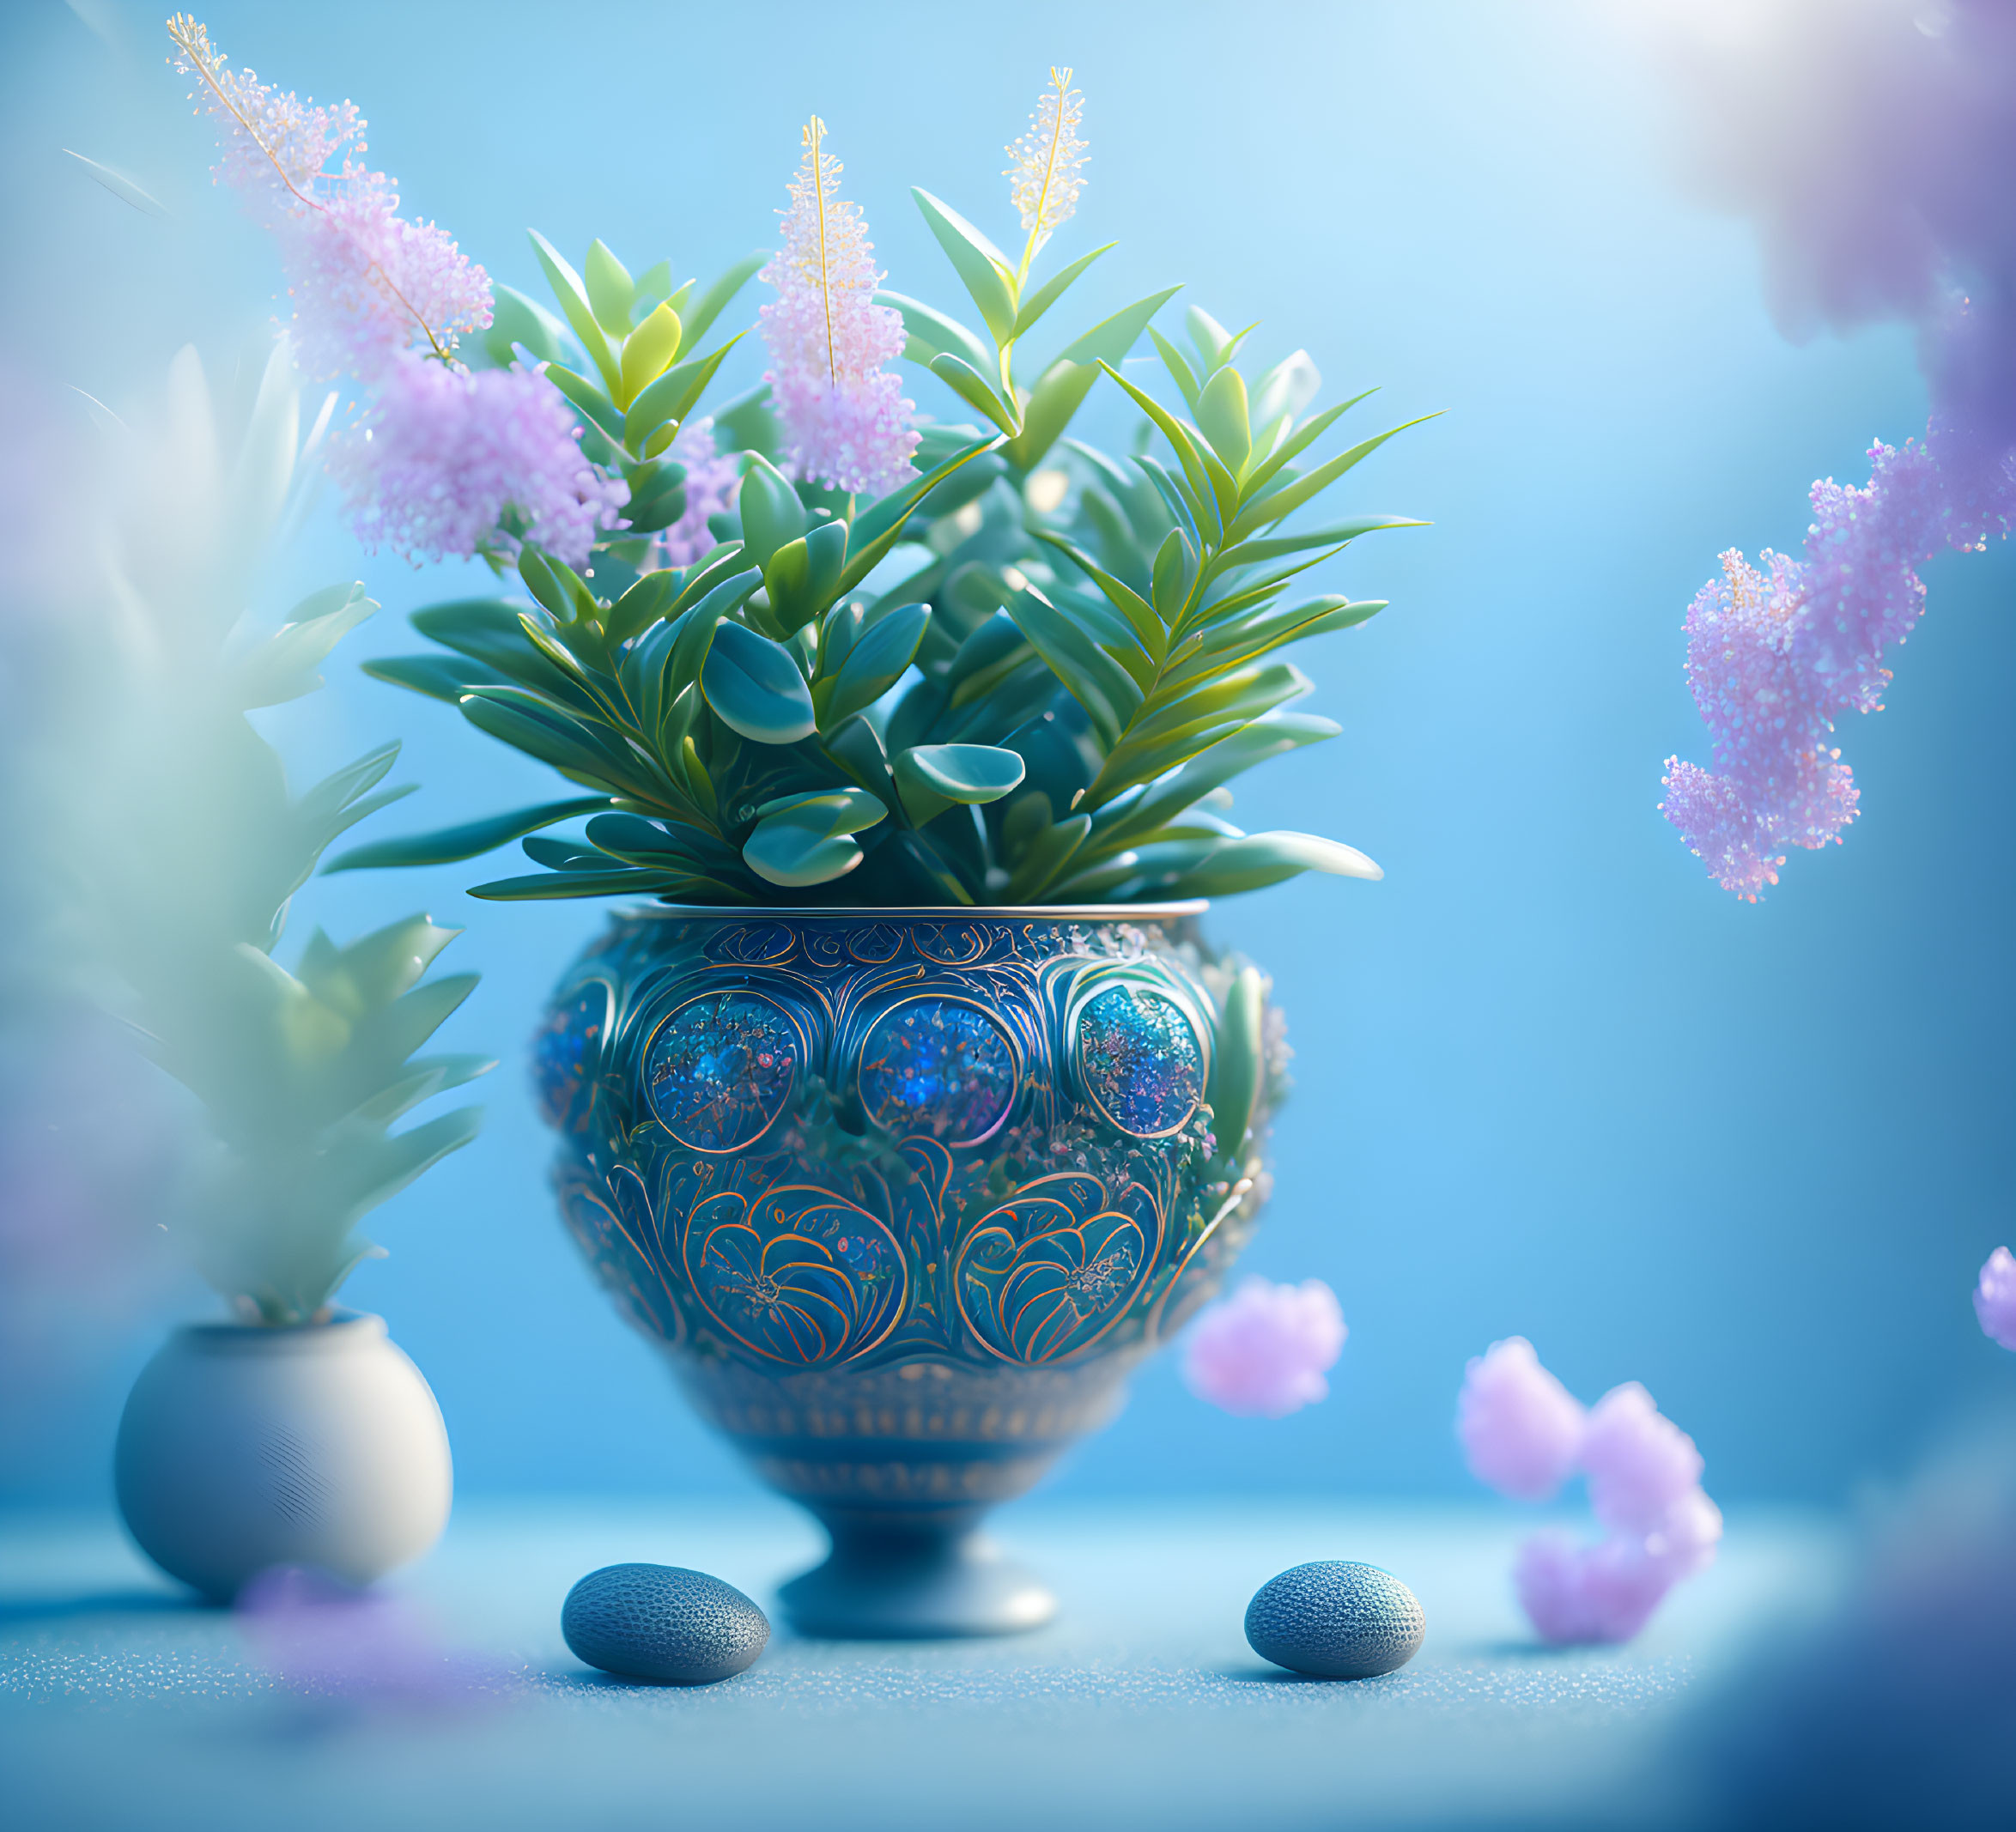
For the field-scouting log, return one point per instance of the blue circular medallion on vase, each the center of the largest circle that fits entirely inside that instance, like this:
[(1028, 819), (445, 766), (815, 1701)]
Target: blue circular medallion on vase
[(1138, 1061), (719, 1070), (937, 1066)]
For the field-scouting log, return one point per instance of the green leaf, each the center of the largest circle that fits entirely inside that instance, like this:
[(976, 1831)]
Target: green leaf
[(642, 606), (931, 778), (580, 884), (435, 676), (654, 286), (648, 349), (1214, 343), (703, 310), (804, 839), (930, 332), (600, 411), (1140, 613), (803, 576), (516, 320), (985, 660), (1303, 437), (1051, 290), (875, 663), (573, 301), (755, 688), (652, 846), (988, 275), (374, 970), (1261, 859), (1239, 1062), (1106, 690), (1258, 553), (473, 838), (611, 292), (1045, 858), (673, 395), (877, 529), (1111, 338), (1220, 410), (541, 730), (696, 628), (972, 387), (1178, 365), (284, 667), (772, 515), (1271, 508), (1287, 388)]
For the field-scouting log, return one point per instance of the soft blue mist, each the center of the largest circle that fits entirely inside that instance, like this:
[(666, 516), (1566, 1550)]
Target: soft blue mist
[(1550, 1080)]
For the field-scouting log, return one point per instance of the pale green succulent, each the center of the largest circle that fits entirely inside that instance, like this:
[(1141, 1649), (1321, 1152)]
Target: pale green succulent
[(190, 848)]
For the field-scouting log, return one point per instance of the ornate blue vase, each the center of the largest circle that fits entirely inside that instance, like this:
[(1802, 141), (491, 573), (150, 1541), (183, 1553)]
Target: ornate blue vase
[(903, 1196)]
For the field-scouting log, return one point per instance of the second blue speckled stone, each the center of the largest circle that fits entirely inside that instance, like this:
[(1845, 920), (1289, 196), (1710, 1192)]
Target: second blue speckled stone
[(1335, 1620)]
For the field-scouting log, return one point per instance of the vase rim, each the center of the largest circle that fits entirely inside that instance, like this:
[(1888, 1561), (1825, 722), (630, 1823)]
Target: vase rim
[(229, 1336), (925, 911)]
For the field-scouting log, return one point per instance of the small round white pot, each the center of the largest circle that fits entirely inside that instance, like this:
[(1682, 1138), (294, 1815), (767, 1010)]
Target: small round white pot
[(243, 1446)]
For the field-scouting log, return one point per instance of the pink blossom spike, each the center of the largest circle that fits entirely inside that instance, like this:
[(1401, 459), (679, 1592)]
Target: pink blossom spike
[(1520, 1429), (1640, 1465), (1994, 1298), (845, 421), (367, 285), (1262, 1353), (446, 456)]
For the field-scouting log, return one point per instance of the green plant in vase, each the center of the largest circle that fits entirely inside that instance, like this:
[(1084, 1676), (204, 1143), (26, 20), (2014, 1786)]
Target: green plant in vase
[(906, 1074), (295, 1433)]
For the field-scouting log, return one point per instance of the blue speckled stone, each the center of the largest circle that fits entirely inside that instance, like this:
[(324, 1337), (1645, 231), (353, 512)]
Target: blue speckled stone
[(662, 1623), (1336, 1620)]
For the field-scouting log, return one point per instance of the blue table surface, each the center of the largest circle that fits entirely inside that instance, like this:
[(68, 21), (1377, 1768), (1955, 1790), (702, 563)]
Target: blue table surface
[(123, 1705)]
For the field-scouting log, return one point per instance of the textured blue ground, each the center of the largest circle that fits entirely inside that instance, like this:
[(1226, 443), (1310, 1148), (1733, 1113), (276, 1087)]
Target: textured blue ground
[(120, 1706)]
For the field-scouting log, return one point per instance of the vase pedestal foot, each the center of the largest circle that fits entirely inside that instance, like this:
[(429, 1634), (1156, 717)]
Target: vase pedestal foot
[(914, 1580)]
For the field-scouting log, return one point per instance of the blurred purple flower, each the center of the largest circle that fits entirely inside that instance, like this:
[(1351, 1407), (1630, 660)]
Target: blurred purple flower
[(1262, 1352), (713, 483), (845, 420), (446, 458), (1994, 1298), (319, 1635), (1639, 1464), (1575, 1594), (1870, 142), (1525, 1435), (1522, 1429)]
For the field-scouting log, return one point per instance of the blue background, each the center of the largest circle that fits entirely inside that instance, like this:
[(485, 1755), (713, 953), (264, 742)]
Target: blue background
[(1550, 1079)]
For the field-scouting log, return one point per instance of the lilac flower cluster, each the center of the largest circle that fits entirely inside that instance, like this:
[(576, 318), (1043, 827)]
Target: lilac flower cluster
[(1775, 655), (1525, 1435), (845, 421), (452, 463), (1262, 1352), (712, 482), (319, 1636), (1994, 1298), (441, 454)]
